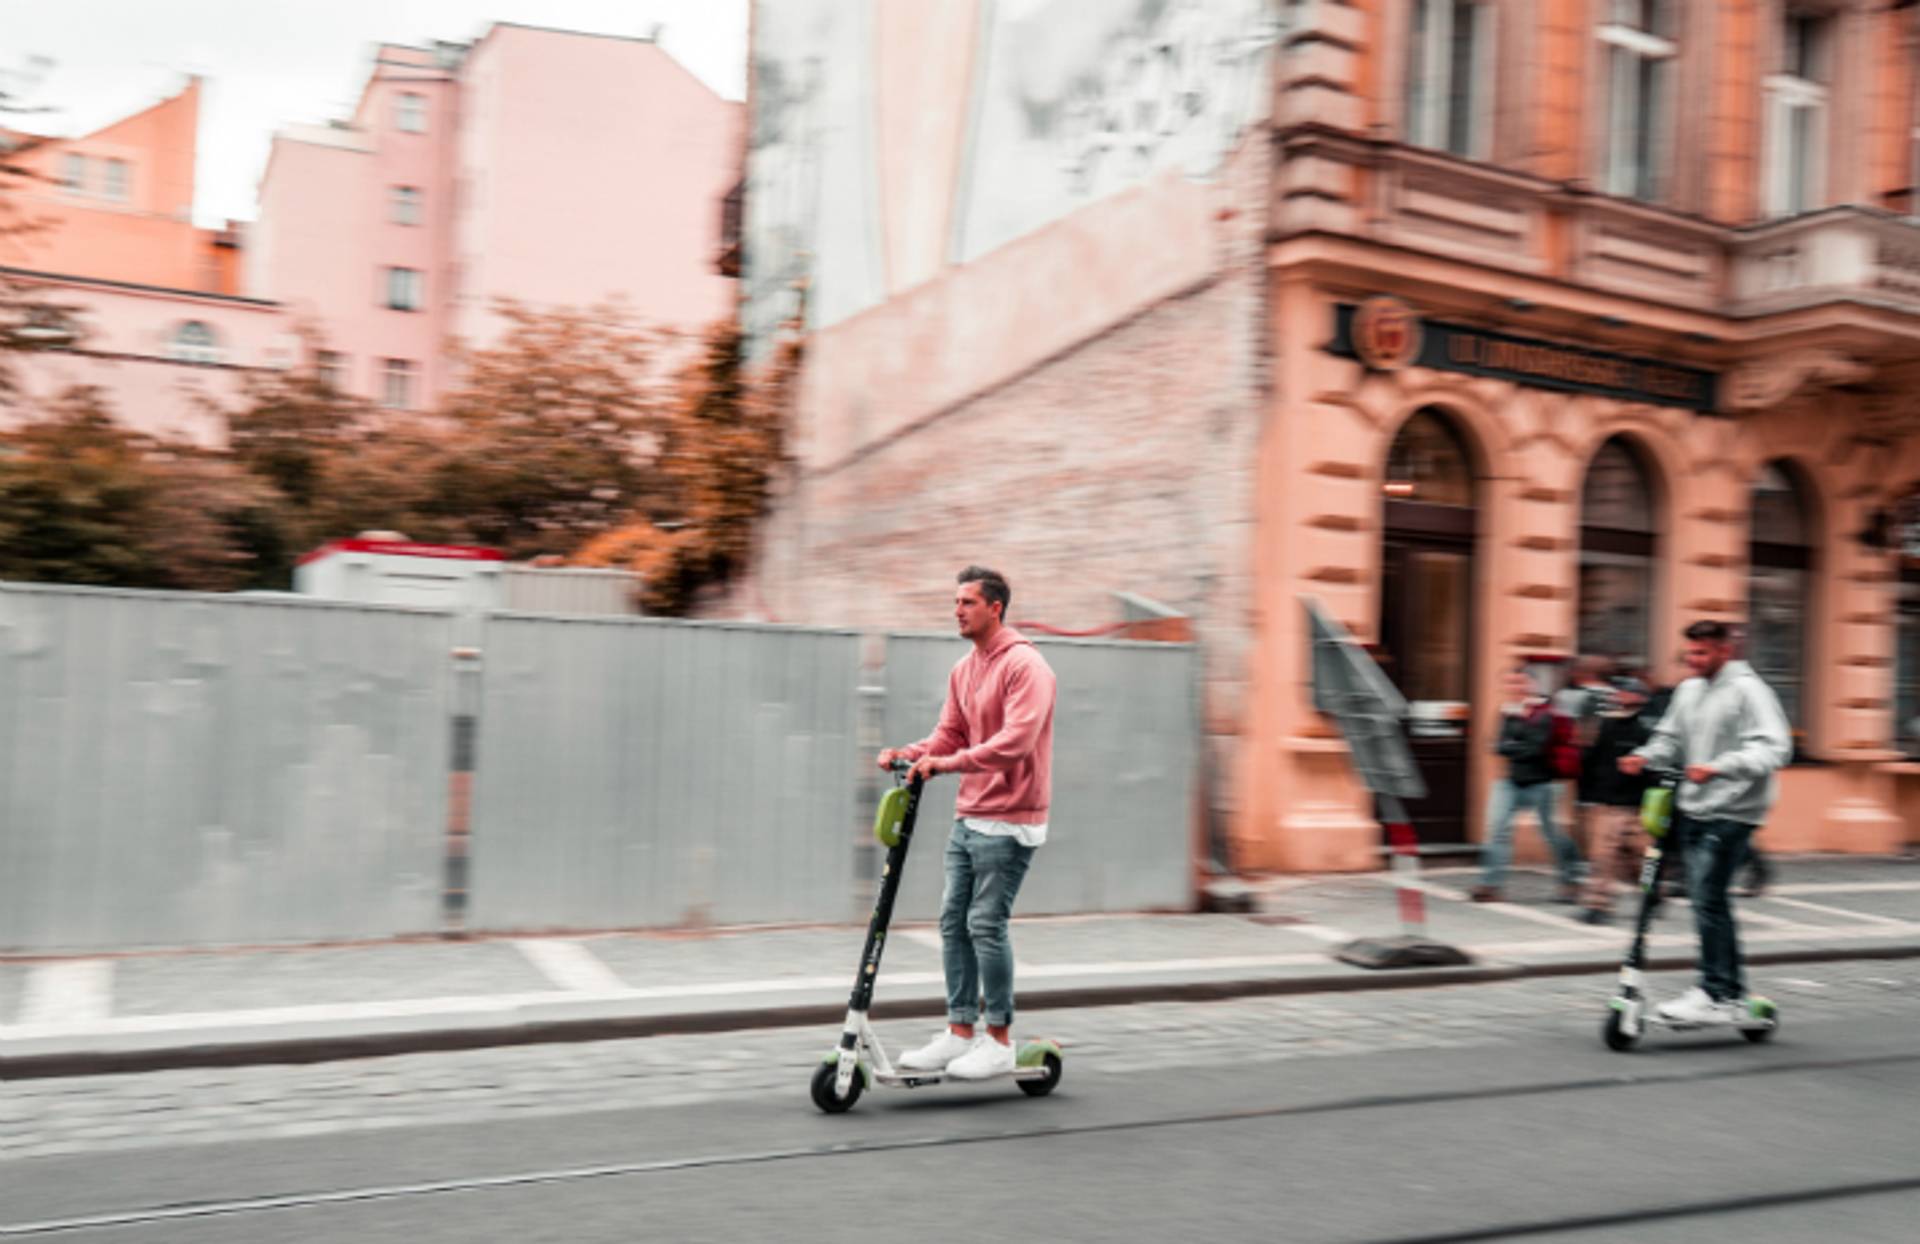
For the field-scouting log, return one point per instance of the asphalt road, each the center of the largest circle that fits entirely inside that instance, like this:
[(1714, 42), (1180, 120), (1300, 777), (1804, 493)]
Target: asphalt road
[(1480, 1112)]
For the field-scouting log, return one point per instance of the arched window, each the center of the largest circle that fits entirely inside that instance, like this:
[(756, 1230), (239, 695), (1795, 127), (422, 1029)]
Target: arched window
[(1428, 465), (1780, 586), (1618, 546), (194, 342)]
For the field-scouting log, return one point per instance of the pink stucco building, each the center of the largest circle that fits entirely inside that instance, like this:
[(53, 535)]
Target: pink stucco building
[(546, 166), (149, 305)]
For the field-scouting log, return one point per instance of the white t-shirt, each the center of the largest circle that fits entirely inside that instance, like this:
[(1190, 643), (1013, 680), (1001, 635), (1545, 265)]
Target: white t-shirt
[(1029, 835)]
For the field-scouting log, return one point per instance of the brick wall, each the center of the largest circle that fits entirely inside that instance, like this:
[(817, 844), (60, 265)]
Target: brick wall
[(1123, 463)]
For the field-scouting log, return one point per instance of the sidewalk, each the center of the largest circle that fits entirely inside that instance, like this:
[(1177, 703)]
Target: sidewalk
[(296, 1004)]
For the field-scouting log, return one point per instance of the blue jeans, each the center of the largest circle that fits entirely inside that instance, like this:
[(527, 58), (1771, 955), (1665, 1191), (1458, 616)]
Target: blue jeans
[(1715, 850), (1539, 799), (984, 872)]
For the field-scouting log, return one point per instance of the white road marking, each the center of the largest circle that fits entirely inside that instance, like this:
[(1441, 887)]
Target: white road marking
[(1545, 917), (1391, 881), (76, 991), (1845, 887), (1320, 933), (1748, 915), (570, 965), (1861, 917)]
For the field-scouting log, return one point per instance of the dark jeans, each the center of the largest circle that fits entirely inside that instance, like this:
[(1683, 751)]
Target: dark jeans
[(984, 872), (1714, 851)]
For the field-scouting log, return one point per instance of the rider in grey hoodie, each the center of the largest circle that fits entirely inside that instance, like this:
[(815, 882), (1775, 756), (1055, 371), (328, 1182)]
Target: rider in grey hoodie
[(1726, 727)]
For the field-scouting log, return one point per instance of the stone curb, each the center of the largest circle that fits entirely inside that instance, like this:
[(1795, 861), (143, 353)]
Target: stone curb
[(572, 1021)]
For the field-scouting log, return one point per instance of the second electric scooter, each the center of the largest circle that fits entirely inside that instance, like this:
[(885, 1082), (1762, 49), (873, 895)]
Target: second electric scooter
[(1629, 1016), (843, 1074)]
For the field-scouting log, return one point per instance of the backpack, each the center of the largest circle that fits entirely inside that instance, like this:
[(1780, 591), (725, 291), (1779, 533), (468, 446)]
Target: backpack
[(1563, 749)]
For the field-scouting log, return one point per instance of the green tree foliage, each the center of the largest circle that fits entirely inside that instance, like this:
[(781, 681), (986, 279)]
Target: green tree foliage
[(83, 500), (569, 437)]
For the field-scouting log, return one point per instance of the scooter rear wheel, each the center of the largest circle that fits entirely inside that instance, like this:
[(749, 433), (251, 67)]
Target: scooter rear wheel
[(1040, 1088), (1618, 1039), (824, 1095)]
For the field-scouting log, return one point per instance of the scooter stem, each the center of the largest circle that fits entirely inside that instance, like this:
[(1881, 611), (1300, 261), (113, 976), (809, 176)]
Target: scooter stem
[(862, 999)]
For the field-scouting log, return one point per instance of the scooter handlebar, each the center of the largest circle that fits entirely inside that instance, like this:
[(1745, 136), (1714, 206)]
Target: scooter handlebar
[(1669, 775)]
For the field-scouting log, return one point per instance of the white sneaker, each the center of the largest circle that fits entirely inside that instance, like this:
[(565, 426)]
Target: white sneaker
[(937, 1053), (1695, 1007), (987, 1058)]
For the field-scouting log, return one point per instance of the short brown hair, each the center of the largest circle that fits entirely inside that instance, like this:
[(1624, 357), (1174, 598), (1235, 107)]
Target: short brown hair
[(993, 586)]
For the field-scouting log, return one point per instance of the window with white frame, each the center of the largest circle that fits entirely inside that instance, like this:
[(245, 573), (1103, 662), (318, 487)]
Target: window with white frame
[(410, 112), (115, 183), (405, 205), (1796, 130), (1450, 76), (330, 369), (396, 384), (73, 172), (194, 342), (403, 289), (1638, 43)]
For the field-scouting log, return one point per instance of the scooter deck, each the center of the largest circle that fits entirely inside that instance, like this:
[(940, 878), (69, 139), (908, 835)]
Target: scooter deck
[(898, 1078), (1751, 1024)]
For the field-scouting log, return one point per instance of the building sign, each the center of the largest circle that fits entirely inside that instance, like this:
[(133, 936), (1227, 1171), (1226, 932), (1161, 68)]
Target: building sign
[(1385, 335)]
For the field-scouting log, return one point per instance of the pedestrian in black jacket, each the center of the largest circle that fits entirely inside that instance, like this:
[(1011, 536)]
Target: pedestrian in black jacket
[(1617, 843), (1526, 740)]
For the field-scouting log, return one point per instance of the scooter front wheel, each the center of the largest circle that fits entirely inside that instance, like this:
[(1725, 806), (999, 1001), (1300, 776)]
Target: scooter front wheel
[(824, 1096), (1614, 1033)]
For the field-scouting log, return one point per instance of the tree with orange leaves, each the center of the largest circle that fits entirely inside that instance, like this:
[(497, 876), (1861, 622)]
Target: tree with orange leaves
[(722, 444)]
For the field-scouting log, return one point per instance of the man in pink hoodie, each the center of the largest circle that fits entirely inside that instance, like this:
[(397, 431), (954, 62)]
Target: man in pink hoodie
[(996, 731)]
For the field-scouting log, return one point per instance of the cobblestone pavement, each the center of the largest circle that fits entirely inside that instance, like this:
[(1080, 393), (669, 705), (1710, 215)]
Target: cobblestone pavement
[(171, 1108)]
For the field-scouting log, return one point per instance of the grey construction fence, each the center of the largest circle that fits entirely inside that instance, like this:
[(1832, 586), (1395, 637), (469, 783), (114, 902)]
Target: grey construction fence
[(182, 769)]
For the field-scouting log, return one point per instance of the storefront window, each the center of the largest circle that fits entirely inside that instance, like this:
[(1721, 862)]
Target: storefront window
[(1906, 689), (1906, 663), (1779, 588), (1428, 464), (1617, 550)]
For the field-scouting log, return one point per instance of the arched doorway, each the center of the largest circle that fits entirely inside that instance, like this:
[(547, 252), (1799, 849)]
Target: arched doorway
[(1618, 551), (1426, 612), (1781, 588)]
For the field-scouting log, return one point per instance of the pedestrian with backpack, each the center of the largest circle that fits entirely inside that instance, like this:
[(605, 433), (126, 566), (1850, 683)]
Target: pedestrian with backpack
[(1526, 742)]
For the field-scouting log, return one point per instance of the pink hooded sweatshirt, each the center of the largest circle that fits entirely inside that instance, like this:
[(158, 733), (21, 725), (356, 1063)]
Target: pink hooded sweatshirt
[(998, 719)]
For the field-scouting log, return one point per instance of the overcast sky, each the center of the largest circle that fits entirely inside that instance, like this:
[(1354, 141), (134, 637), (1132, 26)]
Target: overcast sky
[(270, 63)]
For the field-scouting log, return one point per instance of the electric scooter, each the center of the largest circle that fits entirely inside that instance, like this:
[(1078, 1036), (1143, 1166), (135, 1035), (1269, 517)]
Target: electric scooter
[(1629, 1015), (860, 1058)]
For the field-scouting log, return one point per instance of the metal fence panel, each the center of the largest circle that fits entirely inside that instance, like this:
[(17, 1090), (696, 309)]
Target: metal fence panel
[(182, 769), (637, 772), (570, 589), (1125, 741)]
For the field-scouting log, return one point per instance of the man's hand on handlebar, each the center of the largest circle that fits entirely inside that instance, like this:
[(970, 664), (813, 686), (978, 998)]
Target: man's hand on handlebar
[(1632, 765), (927, 766)]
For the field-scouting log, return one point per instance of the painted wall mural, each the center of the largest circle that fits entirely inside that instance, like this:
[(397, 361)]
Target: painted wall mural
[(1083, 98), (1071, 101), (811, 209)]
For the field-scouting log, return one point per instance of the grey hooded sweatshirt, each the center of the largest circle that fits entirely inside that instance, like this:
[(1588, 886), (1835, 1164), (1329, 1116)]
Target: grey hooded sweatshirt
[(1734, 723)]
